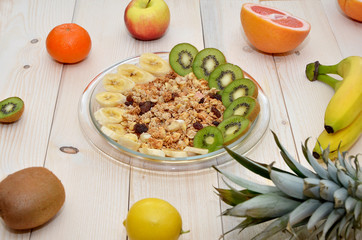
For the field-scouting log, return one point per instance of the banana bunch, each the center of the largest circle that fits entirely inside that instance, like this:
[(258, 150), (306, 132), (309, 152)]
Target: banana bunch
[(342, 119)]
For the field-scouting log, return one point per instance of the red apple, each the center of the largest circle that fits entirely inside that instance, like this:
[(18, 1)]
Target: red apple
[(147, 19)]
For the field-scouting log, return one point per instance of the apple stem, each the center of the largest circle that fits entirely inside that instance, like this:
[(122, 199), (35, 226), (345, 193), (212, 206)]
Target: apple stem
[(148, 3)]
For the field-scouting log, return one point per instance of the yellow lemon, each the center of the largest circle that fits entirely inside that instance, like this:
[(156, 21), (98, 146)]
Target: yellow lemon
[(153, 218)]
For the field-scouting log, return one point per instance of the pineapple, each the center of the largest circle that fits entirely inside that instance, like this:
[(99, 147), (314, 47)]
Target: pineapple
[(327, 201)]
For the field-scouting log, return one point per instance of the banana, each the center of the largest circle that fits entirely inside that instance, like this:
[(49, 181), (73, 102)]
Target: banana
[(153, 152), (193, 151), (110, 99), (346, 103), (130, 141), (113, 130), (113, 82), (173, 153), (154, 64), (109, 115), (345, 137), (136, 74)]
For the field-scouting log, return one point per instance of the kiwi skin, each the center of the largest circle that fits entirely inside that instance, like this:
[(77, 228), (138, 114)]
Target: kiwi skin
[(15, 116), (30, 197)]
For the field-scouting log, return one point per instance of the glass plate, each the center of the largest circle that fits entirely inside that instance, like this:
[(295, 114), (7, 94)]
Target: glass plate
[(91, 129)]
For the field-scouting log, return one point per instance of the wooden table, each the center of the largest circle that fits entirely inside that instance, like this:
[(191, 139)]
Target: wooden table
[(100, 191)]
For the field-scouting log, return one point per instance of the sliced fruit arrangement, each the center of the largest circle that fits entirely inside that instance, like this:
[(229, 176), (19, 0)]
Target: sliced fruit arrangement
[(11, 109), (247, 107), (224, 74), (206, 61), (342, 119), (239, 88), (182, 57), (324, 203)]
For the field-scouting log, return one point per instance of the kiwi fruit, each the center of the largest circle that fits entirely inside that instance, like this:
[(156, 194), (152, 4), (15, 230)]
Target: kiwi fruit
[(239, 88), (30, 197), (245, 106), (182, 57), (11, 109), (233, 127), (206, 61), (209, 137), (223, 75)]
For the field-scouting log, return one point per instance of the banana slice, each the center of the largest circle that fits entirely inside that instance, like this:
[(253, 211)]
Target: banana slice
[(173, 153), (113, 130), (154, 64), (193, 150), (109, 115), (153, 152), (110, 99), (136, 74), (114, 82), (130, 141)]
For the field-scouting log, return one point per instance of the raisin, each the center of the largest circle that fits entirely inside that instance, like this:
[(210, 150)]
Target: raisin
[(216, 112), (129, 100), (215, 96), (145, 106), (174, 95), (215, 123), (197, 126), (140, 128), (128, 103), (202, 100)]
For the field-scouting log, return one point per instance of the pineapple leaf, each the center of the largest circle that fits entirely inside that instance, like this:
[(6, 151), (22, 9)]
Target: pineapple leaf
[(343, 178), (332, 171), (344, 223), (232, 197), (247, 183), (327, 188), (321, 213), (313, 162), (303, 211), (276, 226), (340, 197), (248, 222), (294, 165), (350, 204), (289, 184), (335, 215), (357, 210)]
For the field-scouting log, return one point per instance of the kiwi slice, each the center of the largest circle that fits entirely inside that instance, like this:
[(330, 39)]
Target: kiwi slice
[(11, 109), (245, 106), (223, 75), (206, 61), (233, 127), (239, 88), (209, 137), (182, 57)]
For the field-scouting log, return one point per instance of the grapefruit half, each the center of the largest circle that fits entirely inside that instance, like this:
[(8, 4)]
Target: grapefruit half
[(272, 30), (352, 8)]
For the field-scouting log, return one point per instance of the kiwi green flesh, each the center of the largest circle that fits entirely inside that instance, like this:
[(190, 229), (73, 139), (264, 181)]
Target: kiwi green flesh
[(181, 58), (245, 106), (233, 128), (206, 61), (209, 137), (239, 88), (11, 109), (224, 74)]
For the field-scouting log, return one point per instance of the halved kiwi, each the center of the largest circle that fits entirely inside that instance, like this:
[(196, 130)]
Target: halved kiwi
[(245, 106), (239, 88), (11, 109), (209, 137), (233, 128), (181, 58), (223, 75), (206, 61)]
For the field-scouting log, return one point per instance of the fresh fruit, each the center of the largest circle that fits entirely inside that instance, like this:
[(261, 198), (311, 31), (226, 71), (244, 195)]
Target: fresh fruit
[(194, 150), (173, 153), (206, 61), (181, 58), (341, 140), (271, 30), (239, 88), (209, 137), (113, 82), (30, 197), (223, 75), (323, 203), (346, 103), (152, 151), (154, 64), (110, 99), (151, 219), (11, 109), (109, 115), (130, 141), (147, 19), (246, 107), (134, 73), (113, 130), (352, 8), (233, 128), (68, 43)]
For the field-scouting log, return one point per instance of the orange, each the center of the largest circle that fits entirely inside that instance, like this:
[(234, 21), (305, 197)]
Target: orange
[(68, 43), (352, 8), (271, 30)]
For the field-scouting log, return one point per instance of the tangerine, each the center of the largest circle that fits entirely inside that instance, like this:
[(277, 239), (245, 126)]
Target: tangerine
[(352, 8), (68, 43), (271, 30)]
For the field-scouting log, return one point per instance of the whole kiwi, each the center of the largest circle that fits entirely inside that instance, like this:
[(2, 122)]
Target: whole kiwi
[(30, 197)]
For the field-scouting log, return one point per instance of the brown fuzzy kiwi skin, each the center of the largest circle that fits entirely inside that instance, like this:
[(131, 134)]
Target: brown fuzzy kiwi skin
[(13, 117), (30, 197)]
